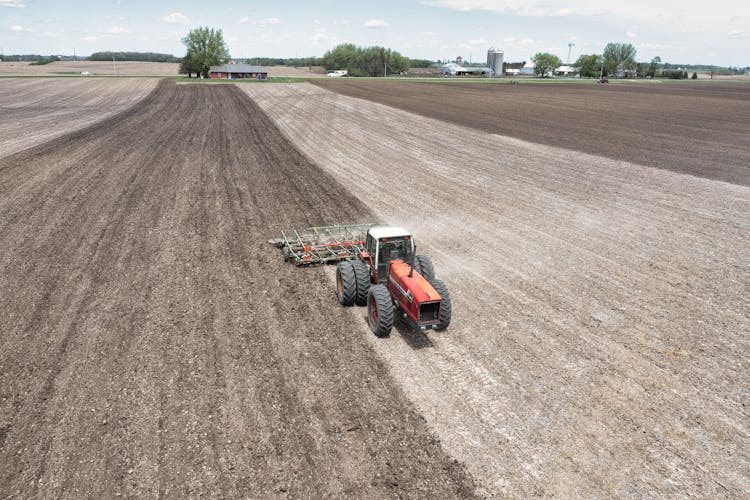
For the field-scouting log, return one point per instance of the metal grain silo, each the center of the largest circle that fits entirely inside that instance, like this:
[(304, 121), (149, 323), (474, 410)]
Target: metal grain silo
[(495, 61)]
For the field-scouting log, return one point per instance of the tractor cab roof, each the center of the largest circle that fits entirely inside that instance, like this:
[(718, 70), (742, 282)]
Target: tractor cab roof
[(381, 232)]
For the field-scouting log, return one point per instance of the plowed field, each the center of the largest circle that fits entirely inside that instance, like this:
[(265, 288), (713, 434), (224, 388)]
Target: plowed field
[(697, 128), (153, 344), (601, 307), (34, 111)]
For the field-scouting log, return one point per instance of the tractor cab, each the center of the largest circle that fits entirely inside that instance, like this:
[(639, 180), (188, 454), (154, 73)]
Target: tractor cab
[(385, 244)]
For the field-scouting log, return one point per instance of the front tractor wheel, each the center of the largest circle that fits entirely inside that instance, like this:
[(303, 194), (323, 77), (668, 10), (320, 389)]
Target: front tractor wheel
[(445, 307), (346, 283), (423, 265), (379, 310)]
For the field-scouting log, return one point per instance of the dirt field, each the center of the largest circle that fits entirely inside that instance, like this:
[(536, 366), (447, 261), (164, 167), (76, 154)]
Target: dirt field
[(696, 128), (131, 68), (33, 111), (601, 307), (153, 344), (101, 68)]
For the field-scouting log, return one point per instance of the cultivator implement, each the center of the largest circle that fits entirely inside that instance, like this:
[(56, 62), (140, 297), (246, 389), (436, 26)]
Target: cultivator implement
[(319, 245)]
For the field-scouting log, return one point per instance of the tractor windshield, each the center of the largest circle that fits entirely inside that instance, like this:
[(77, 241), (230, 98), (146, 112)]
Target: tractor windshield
[(395, 249)]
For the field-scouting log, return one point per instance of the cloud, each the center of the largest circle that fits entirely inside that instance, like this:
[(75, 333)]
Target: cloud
[(117, 30), (269, 21), (693, 14), (737, 34), (630, 34), (375, 24), (176, 18), (322, 38), (88, 39), (17, 28), (13, 3)]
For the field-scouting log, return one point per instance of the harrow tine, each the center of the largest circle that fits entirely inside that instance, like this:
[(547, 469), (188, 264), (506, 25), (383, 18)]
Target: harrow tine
[(322, 244)]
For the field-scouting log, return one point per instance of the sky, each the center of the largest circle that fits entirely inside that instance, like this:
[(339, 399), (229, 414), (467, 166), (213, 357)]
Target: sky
[(688, 32)]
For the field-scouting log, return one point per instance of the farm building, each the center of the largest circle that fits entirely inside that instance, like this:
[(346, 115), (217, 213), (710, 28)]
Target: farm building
[(566, 71), (458, 70), (238, 72), (528, 68)]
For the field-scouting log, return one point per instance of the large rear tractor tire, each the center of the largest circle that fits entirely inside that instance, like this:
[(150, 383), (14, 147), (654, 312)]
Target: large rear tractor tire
[(362, 274), (445, 306), (346, 283), (380, 310), (423, 265)]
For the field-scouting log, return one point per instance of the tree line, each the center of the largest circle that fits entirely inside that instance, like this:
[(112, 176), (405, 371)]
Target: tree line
[(134, 56), (617, 59), (365, 61)]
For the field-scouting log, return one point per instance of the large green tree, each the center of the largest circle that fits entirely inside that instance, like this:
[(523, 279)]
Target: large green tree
[(205, 48), (619, 55), (589, 65), (545, 63)]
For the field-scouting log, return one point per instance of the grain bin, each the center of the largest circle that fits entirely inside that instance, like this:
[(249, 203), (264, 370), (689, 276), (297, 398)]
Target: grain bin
[(495, 61)]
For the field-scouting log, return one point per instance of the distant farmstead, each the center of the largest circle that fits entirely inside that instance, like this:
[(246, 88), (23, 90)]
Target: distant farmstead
[(238, 72)]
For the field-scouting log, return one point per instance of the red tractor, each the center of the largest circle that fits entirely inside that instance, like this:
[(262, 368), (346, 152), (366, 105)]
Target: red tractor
[(378, 267), (388, 276)]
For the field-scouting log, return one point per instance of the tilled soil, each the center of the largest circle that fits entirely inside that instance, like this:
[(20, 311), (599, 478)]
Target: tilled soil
[(33, 111), (153, 344), (601, 308), (96, 68), (698, 128)]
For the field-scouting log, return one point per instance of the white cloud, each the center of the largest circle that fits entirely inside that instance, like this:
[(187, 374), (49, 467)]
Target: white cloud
[(323, 38), (427, 33), (117, 30), (269, 21), (88, 39), (692, 14), (176, 18), (630, 34), (737, 34), (13, 3), (375, 24), (17, 28)]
